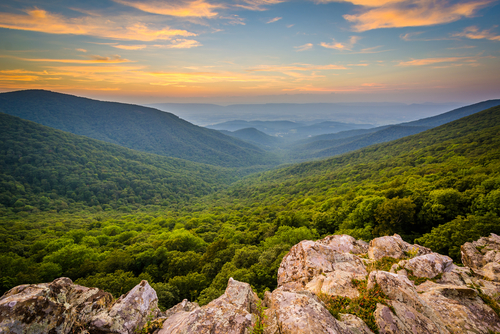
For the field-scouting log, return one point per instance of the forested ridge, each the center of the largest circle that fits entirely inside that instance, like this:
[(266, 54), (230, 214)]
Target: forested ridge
[(47, 169), (133, 126), (438, 188)]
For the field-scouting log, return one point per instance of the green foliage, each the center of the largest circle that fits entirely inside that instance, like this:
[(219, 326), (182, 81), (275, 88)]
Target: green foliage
[(440, 188), (259, 326), (363, 306)]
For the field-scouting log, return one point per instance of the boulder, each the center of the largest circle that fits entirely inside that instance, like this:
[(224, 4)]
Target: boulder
[(309, 259), (354, 324), (428, 265), (344, 244), (337, 283), (231, 313), (57, 307), (395, 247), (129, 313), (460, 309), (478, 253), (292, 312)]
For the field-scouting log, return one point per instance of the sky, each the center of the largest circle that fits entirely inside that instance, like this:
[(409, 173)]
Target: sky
[(253, 51)]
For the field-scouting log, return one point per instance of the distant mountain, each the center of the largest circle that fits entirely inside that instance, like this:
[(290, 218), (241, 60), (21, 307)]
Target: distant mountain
[(454, 114), (140, 128), (271, 128), (47, 169), (289, 130), (342, 142), (372, 113), (328, 148), (254, 136)]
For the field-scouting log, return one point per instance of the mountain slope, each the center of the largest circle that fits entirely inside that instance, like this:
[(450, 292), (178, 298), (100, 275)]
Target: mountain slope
[(256, 137), (132, 126), (454, 114), (328, 148), (343, 142), (44, 168)]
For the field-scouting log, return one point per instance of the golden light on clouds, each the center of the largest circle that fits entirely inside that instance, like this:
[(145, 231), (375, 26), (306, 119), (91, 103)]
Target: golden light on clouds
[(197, 8), (473, 32), (414, 14), (42, 21), (432, 61)]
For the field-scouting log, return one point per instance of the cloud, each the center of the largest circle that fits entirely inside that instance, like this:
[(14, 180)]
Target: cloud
[(290, 25), (81, 50), (341, 46), (366, 3), (42, 21), (304, 47), (473, 32), (183, 44), (258, 5), (197, 8), (413, 13), (93, 60), (274, 20), (432, 61), (234, 19), (130, 47), (296, 67)]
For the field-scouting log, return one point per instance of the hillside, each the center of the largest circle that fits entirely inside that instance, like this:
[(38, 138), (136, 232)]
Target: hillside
[(256, 137), (439, 188), (136, 127), (290, 130), (328, 145), (46, 169), (328, 148)]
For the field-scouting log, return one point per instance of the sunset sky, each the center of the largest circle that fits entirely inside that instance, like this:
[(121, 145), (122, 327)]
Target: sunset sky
[(245, 51)]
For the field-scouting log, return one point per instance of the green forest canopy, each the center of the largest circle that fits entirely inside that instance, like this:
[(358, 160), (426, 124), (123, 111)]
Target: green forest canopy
[(439, 188)]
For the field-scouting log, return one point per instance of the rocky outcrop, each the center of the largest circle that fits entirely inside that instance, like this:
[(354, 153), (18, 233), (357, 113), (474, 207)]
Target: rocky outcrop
[(231, 313), (57, 307), (423, 292), (63, 307), (129, 313)]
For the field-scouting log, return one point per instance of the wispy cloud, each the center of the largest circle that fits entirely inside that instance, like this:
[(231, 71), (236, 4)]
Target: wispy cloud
[(93, 60), (196, 8), (304, 47), (408, 13), (81, 50), (130, 47), (181, 43), (234, 19), (258, 5), (296, 67), (341, 46), (42, 21), (274, 20), (432, 61), (473, 32)]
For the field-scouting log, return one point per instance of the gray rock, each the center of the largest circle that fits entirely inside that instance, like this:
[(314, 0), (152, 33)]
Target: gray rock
[(292, 312), (129, 313), (57, 307), (230, 313)]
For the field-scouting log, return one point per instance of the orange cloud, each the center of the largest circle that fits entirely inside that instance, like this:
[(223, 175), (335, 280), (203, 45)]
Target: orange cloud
[(42, 21), (130, 47), (296, 67), (474, 33), (340, 46), (366, 3), (258, 5), (93, 60), (183, 44), (414, 13), (431, 61), (197, 8)]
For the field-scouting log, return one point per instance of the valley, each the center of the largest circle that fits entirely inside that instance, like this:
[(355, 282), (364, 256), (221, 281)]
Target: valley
[(109, 216)]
